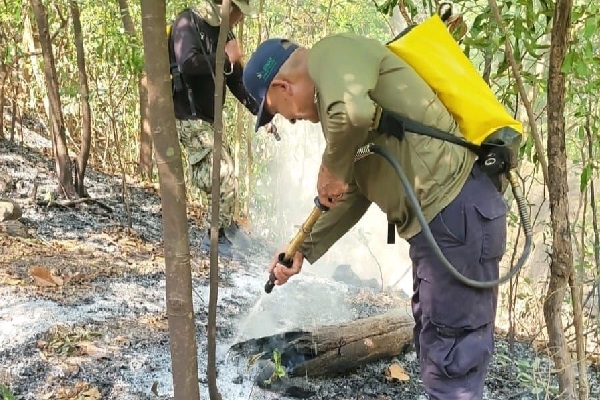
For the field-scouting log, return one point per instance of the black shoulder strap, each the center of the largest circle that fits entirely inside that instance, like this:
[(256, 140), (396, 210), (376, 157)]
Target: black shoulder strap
[(194, 17), (395, 124), (174, 66)]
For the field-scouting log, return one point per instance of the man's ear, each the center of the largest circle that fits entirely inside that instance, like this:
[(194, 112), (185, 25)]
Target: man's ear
[(281, 85)]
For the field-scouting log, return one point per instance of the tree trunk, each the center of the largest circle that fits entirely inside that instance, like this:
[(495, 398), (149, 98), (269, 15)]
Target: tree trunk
[(13, 114), (250, 132), (3, 78), (86, 113), (516, 70), (61, 154), (215, 203), (180, 311), (592, 186), (29, 46), (145, 154), (336, 349), (239, 128), (561, 265)]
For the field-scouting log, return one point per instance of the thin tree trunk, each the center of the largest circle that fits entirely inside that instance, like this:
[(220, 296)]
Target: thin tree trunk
[(126, 18), (86, 113), (29, 45), (145, 154), (561, 265), (576, 284), (180, 310), (537, 140), (118, 152), (211, 349), (13, 115), (249, 134), (239, 125), (61, 155), (590, 140), (327, 15), (487, 65), (3, 78), (247, 179)]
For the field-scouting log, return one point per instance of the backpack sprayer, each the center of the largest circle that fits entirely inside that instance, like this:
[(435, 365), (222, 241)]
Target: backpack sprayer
[(487, 130)]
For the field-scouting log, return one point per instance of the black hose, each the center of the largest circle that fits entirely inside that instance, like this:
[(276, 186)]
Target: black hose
[(521, 204)]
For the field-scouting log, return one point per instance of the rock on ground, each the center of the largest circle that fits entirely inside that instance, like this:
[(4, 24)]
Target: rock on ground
[(9, 210)]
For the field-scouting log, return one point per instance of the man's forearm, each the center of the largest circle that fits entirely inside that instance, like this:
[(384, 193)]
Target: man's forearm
[(236, 86), (334, 224)]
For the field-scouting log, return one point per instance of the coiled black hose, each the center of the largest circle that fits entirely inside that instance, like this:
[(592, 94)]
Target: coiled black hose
[(521, 204)]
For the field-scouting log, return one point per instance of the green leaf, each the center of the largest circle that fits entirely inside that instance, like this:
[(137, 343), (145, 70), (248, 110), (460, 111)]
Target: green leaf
[(478, 25), (280, 371), (5, 393), (567, 66), (517, 50), (503, 66), (581, 68), (586, 175), (591, 25)]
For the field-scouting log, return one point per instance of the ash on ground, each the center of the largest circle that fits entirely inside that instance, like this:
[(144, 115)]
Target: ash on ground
[(83, 310)]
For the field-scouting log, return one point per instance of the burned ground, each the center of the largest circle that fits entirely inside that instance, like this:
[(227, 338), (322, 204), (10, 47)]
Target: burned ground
[(83, 306)]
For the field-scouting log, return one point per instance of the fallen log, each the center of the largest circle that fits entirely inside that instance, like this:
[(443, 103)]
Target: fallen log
[(334, 349)]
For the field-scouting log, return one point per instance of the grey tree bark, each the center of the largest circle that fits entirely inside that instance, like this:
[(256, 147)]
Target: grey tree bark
[(161, 118)]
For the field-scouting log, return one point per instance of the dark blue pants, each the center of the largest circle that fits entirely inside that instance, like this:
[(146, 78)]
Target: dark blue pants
[(454, 323)]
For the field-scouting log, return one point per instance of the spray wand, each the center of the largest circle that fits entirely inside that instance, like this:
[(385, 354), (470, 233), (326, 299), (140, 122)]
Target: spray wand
[(287, 257)]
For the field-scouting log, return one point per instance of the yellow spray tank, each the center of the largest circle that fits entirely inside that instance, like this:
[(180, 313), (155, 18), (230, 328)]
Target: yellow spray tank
[(432, 52)]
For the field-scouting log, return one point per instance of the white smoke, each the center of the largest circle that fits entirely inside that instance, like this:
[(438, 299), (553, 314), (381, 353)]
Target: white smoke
[(287, 190)]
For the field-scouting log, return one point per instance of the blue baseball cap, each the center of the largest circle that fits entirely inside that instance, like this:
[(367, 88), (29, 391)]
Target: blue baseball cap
[(260, 70)]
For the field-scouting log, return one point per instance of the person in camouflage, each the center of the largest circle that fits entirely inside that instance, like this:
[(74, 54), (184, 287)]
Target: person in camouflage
[(197, 138), (192, 52)]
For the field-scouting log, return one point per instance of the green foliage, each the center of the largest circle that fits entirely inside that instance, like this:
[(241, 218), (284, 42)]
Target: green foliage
[(5, 393), (530, 373), (586, 175), (10, 17), (279, 370), (114, 61)]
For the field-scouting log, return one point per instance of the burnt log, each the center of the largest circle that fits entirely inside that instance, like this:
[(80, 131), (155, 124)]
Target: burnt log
[(334, 349)]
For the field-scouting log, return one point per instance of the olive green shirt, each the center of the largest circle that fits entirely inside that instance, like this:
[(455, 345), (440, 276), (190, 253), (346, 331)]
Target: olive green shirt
[(352, 75)]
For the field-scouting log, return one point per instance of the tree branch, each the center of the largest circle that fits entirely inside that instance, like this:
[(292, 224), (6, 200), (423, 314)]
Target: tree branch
[(539, 148)]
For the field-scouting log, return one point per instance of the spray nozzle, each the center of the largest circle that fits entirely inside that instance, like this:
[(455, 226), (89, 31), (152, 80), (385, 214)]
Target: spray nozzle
[(287, 257)]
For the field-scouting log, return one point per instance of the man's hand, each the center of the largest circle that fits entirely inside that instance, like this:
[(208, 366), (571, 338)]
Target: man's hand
[(232, 48), (329, 187), (283, 273)]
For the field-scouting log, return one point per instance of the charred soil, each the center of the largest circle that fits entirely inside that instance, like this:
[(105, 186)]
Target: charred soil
[(82, 305)]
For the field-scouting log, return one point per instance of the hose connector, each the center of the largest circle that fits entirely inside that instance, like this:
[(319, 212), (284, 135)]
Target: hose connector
[(513, 179), (364, 151)]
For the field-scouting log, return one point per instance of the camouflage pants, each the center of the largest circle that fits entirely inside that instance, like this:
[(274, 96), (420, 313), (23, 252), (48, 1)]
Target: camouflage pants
[(196, 136)]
